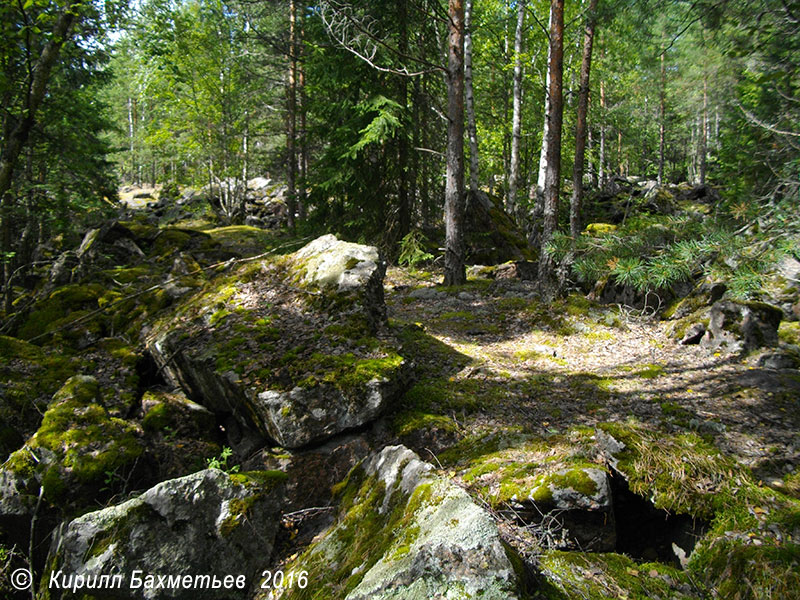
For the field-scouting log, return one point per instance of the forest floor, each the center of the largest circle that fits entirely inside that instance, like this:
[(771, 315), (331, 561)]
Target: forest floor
[(510, 362)]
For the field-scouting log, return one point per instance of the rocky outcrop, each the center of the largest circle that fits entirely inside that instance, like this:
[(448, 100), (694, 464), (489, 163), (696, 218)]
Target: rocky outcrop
[(491, 235), (296, 348), (403, 532), (739, 327), (78, 455), (208, 524)]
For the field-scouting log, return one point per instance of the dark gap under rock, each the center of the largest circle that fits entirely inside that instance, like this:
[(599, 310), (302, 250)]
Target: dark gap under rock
[(647, 533)]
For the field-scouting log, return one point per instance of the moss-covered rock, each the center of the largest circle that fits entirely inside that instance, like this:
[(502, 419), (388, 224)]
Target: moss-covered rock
[(491, 235), (207, 523), (740, 327), (404, 533), (77, 451), (29, 376), (550, 479), (296, 346), (603, 576)]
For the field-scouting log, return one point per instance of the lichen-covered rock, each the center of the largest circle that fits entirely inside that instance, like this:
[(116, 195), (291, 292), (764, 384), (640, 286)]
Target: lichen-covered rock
[(548, 481), (208, 523), (296, 348), (77, 451), (738, 327), (348, 268), (402, 533)]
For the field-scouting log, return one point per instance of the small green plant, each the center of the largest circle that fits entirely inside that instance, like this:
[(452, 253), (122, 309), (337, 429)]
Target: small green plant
[(412, 249), (221, 462)]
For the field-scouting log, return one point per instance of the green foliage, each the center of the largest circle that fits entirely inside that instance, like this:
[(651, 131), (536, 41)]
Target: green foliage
[(412, 249), (221, 462), (652, 253)]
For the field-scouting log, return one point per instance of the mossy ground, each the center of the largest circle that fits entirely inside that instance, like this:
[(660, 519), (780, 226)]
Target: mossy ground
[(536, 378), (570, 575)]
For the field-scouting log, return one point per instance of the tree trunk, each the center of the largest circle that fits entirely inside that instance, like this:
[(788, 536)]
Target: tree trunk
[(662, 118), (454, 273), (516, 119), (404, 208), (547, 280), (303, 108), (601, 162), (540, 181), (580, 128), (704, 133), (291, 119), (472, 127)]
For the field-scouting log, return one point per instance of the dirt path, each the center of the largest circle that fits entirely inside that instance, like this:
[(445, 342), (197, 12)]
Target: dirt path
[(510, 361)]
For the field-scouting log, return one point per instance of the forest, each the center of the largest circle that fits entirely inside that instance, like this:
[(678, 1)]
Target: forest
[(400, 299)]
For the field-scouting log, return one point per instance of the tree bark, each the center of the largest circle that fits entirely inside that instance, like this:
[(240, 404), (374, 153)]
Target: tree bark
[(472, 127), (547, 280), (516, 119), (454, 273), (540, 180), (404, 206), (580, 128), (302, 199), (291, 119), (704, 133), (662, 118), (601, 161)]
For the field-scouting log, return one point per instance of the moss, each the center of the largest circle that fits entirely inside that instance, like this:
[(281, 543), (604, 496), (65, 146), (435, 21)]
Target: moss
[(170, 241), (527, 354), (128, 274), (650, 371), (266, 480), (64, 305), (362, 535), (348, 372), (218, 316), (158, 417), (85, 442), (600, 229), (408, 422), (789, 332), (603, 576)]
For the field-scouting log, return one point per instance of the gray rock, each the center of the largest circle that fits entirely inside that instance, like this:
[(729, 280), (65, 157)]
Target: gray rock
[(339, 373), (739, 327), (435, 542), (349, 268), (693, 335), (426, 293), (777, 360), (303, 415), (208, 523)]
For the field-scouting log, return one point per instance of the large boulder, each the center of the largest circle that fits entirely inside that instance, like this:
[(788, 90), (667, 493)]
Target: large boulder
[(297, 347), (403, 532), (739, 327), (210, 524), (78, 455), (490, 233)]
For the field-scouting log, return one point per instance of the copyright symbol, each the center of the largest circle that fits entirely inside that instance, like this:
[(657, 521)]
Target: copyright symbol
[(21, 579)]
